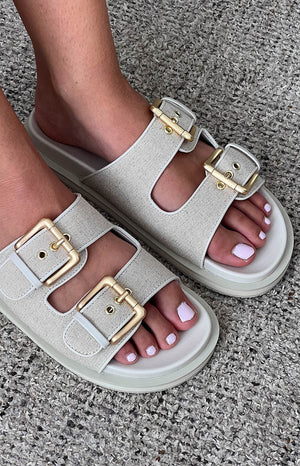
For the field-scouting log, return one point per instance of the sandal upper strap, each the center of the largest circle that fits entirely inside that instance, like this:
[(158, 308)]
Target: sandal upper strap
[(42, 255)]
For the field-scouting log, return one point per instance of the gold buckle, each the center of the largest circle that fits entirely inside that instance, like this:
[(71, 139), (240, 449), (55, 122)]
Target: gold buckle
[(171, 123), (124, 294), (226, 178), (60, 241)]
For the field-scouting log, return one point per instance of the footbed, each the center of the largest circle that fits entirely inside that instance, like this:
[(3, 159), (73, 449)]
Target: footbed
[(167, 369)]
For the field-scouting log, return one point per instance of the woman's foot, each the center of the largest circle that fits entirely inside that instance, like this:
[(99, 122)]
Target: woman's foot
[(109, 125), (30, 191)]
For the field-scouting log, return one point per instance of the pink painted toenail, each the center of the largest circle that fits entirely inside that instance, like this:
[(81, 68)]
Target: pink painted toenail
[(151, 350), (262, 235), (243, 251), (131, 357), (267, 208), (185, 312), (267, 221), (171, 339)]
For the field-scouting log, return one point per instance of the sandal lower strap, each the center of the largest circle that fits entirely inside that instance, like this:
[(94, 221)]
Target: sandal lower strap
[(93, 327)]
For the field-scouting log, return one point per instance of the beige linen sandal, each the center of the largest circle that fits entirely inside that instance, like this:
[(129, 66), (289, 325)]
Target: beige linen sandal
[(86, 338), (124, 189)]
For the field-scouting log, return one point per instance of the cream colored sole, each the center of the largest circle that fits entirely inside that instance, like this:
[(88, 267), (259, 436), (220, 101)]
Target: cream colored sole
[(167, 369)]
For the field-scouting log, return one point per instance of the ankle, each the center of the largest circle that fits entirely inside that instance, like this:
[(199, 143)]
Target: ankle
[(25, 200), (71, 93), (89, 116)]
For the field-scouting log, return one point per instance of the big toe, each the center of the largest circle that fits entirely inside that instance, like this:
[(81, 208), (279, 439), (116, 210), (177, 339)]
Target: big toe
[(175, 306), (231, 248)]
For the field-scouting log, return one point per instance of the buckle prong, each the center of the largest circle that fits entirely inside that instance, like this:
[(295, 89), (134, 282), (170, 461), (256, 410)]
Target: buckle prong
[(171, 123), (124, 295), (224, 178), (56, 244), (60, 240)]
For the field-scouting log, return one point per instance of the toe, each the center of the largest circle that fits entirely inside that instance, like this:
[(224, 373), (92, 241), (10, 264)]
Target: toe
[(169, 312), (231, 248), (127, 354), (259, 201), (174, 305), (145, 343), (240, 222), (164, 331), (254, 213)]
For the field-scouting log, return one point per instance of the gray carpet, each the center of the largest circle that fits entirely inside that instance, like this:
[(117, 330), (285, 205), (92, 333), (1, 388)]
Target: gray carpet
[(237, 65)]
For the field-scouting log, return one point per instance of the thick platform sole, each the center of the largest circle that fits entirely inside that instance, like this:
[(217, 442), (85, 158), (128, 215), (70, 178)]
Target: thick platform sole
[(168, 369)]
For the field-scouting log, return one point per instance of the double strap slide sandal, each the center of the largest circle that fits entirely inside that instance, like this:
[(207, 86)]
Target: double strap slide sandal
[(86, 338), (124, 188)]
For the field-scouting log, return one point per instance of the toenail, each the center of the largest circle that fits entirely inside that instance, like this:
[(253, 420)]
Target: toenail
[(131, 357), (262, 235), (171, 339), (267, 208), (243, 251), (267, 221), (185, 312), (151, 350)]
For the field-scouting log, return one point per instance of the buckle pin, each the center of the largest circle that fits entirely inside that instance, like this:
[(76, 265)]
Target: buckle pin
[(171, 123), (56, 244), (124, 294), (60, 240), (225, 179)]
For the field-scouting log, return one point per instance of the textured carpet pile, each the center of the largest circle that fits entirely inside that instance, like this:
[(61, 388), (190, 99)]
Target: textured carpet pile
[(237, 65)]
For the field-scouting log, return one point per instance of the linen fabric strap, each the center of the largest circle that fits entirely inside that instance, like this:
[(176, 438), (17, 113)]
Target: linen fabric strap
[(25, 268), (83, 336), (145, 277), (139, 168)]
